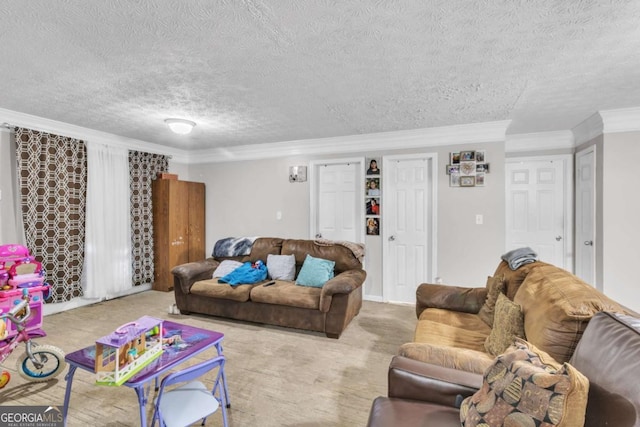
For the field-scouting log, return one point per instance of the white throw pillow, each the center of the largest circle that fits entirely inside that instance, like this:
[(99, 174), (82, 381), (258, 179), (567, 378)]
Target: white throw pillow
[(226, 267), (281, 267)]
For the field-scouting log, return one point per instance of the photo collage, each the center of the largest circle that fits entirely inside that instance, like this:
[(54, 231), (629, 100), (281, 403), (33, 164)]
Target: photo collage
[(372, 197)]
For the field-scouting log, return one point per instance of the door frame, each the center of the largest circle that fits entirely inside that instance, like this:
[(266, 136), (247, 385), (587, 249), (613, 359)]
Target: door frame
[(567, 160), (432, 245), (580, 245), (314, 186)]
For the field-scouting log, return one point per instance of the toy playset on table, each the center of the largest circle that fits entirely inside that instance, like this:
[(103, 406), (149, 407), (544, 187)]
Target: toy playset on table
[(127, 350)]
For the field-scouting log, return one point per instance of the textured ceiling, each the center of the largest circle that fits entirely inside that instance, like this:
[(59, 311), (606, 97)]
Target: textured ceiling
[(259, 71)]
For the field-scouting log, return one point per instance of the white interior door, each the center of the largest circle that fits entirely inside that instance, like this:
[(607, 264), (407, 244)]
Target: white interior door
[(538, 203), (336, 196), (408, 225), (585, 215)]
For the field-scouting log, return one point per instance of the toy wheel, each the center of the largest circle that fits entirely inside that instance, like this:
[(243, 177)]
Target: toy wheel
[(5, 377), (51, 360)]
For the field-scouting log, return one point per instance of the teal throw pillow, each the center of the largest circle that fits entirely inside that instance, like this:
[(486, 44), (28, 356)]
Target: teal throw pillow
[(315, 272)]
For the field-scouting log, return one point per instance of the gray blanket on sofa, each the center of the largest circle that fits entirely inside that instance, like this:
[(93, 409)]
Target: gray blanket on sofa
[(519, 257), (233, 246)]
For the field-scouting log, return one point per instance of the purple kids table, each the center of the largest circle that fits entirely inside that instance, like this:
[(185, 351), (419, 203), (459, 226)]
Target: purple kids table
[(193, 341)]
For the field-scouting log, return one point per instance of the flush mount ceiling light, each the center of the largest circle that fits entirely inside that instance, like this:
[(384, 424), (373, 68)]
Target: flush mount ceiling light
[(180, 126)]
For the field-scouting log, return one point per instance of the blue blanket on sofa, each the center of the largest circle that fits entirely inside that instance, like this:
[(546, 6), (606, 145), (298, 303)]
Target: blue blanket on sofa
[(247, 273)]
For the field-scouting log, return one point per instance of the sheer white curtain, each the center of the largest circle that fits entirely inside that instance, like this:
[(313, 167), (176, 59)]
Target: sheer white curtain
[(107, 267)]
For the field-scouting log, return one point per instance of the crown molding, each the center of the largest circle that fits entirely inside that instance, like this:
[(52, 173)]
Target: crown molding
[(416, 138), (621, 120), (539, 141), (588, 129), (607, 121), (14, 118)]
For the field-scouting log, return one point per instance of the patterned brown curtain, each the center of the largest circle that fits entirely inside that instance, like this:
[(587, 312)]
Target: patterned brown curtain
[(53, 182), (143, 168)]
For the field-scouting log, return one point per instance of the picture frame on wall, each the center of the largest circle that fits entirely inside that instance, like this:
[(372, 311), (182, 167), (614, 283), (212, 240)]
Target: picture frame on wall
[(467, 156), (373, 186), (480, 156), (467, 168), (372, 206), (467, 181), (453, 169), (454, 180), (455, 159), (482, 167), (480, 179), (373, 226), (373, 166)]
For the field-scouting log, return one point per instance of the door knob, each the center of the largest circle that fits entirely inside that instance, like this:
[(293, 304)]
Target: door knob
[(392, 238), (558, 238), (588, 243), (319, 236)]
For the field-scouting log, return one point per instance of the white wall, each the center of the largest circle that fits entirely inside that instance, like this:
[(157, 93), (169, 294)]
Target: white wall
[(243, 198), (8, 226), (620, 205)]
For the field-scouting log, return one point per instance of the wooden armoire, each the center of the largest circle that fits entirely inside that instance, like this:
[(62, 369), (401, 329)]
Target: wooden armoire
[(178, 227)]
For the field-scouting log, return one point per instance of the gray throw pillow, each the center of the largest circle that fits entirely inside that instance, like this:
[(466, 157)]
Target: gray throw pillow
[(226, 267), (281, 267)]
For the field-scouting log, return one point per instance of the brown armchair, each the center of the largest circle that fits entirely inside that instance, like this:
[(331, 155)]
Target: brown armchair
[(421, 394)]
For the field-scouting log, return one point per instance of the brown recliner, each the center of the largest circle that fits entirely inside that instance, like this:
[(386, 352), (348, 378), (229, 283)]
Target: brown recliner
[(608, 354)]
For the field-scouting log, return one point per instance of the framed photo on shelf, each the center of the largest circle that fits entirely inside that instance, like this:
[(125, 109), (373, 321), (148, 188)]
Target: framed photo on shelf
[(467, 181)]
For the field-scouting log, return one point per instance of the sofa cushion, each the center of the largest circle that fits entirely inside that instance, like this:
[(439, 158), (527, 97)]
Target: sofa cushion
[(315, 272), (557, 307), (452, 328), (282, 267), (526, 387), (462, 359), (513, 279), (344, 258), (212, 289), (495, 286), (508, 324), (264, 246), (226, 267), (287, 293)]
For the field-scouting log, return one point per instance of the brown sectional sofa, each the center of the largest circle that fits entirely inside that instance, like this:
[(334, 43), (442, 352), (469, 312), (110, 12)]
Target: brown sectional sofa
[(328, 309), (422, 394), (563, 316), (557, 307)]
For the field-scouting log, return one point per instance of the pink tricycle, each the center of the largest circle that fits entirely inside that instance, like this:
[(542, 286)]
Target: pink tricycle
[(39, 362)]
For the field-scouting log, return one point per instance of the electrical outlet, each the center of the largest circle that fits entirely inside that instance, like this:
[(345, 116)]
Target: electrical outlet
[(479, 219)]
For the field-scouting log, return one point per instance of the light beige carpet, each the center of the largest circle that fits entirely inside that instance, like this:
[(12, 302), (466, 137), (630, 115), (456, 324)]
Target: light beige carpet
[(276, 376)]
